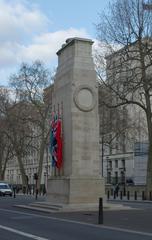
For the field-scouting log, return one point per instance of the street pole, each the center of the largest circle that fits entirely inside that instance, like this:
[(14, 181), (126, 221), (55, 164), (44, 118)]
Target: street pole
[(36, 192), (102, 154), (36, 185), (47, 165)]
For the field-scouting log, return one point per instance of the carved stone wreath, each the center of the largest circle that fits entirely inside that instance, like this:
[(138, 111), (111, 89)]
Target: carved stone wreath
[(84, 98)]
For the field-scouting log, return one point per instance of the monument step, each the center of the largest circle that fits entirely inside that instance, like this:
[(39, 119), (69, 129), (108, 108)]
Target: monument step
[(38, 208), (46, 206), (51, 208)]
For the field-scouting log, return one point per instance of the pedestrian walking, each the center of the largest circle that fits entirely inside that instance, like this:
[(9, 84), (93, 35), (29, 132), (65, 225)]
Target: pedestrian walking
[(116, 190)]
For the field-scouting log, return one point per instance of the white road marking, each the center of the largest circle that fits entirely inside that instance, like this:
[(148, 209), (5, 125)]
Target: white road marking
[(22, 233), (127, 230), (81, 223)]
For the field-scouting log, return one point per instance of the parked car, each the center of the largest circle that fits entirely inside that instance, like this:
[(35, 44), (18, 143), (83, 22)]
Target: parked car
[(5, 189)]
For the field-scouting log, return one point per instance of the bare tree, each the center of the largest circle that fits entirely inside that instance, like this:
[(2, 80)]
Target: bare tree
[(13, 132), (115, 126), (6, 151), (128, 26), (19, 134), (29, 84)]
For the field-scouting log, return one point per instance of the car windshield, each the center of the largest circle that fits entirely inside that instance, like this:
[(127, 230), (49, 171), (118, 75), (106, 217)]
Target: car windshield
[(4, 186)]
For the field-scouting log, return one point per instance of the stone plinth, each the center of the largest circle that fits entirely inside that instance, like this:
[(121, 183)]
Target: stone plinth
[(75, 190)]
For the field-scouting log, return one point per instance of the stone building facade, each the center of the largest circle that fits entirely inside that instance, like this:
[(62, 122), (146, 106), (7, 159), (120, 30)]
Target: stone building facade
[(127, 127)]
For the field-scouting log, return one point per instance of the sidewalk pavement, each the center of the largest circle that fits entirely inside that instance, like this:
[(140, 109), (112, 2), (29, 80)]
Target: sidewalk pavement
[(114, 215), (125, 199), (125, 218)]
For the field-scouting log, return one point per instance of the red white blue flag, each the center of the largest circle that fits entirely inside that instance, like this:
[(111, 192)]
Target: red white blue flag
[(56, 141)]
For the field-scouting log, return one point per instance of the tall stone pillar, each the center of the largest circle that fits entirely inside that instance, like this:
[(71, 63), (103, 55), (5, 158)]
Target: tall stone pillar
[(76, 89)]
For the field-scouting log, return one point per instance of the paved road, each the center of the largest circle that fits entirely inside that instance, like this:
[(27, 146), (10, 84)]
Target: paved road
[(16, 224)]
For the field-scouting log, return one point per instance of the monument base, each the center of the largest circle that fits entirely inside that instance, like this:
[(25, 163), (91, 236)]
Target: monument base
[(71, 190)]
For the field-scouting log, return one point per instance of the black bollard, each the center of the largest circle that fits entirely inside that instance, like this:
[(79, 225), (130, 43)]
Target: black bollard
[(111, 192), (121, 195), (128, 195), (150, 196), (100, 216), (108, 195), (114, 195), (135, 195), (124, 191), (143, 195), (14, 192), (36, 195)]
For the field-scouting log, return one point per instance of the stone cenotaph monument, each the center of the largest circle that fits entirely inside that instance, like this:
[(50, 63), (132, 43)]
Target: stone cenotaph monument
[(76, 96)]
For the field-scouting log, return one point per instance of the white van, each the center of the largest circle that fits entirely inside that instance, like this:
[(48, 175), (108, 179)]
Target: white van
[(5, 189)]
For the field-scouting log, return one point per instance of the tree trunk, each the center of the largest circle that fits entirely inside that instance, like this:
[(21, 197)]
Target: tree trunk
[(149, 171), (1, 170), (149, 161), (1, 175), (22, 170), (1, 178), (42, 149), (4, 168), (148, 117)]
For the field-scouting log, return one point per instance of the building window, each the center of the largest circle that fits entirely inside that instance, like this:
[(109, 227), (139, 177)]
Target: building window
[(122, 177), (116, 163), (110, 164), (123, 163), (109, 177), (116, 177)]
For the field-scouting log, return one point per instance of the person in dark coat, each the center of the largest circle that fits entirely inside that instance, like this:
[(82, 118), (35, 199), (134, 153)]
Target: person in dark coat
[(116, 189)]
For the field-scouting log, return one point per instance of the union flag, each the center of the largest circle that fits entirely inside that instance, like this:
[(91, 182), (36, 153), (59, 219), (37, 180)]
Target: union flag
[(56, 141)]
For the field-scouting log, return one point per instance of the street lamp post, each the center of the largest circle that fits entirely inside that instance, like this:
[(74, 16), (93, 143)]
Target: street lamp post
[(47, 164), (36, 187), (102, 156), (124, 181)]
